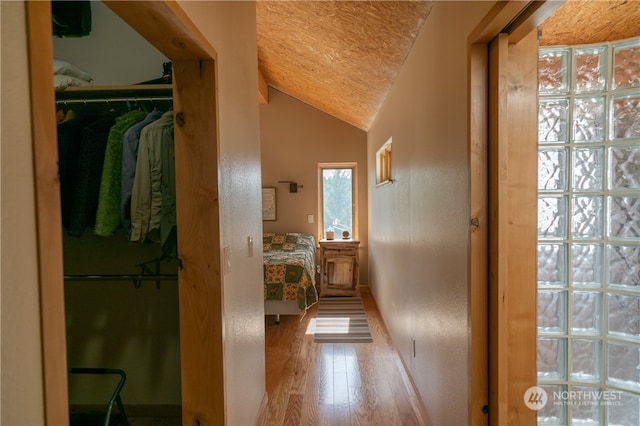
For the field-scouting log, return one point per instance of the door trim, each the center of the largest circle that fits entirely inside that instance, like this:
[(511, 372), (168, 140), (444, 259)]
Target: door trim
[(48, 213), (165, 25), (489, 385)]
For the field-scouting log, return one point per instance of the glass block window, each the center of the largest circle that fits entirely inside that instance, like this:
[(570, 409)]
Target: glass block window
[(588, 307)]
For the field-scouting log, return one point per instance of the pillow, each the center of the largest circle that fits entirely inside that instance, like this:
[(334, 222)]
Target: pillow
[(61, 82), (65, 68)]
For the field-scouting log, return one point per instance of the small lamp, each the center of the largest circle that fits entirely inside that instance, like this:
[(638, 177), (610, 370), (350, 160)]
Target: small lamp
[(293, 186)]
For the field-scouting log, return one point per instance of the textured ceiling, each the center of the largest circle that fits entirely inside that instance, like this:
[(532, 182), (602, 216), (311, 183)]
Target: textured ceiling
[(343, 56), (592, 21), (338, 56)]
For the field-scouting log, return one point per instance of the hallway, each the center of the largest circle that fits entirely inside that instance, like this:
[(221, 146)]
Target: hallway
[(335, 384)]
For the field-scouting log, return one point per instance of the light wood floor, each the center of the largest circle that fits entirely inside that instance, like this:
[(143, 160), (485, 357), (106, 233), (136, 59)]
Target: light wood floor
[(335, 384)]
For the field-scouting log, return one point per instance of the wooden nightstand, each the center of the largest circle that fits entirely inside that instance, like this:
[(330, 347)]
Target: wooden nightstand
[(339, 267)]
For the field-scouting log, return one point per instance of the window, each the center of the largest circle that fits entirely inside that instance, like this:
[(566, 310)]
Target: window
[(337, 199), (383, 164)]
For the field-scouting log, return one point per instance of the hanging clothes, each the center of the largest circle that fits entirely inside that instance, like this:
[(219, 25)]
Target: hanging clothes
[(88, 165), (146, 198), (130, 143), (108, 211), (69, 115), (70, 140), (168, 232)]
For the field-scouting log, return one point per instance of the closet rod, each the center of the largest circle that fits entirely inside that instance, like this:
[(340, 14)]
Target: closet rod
[(136, 279), (118, 277), (108, 100)]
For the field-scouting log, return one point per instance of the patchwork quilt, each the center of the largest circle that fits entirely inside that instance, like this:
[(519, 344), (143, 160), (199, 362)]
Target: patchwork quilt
[(289, 268)]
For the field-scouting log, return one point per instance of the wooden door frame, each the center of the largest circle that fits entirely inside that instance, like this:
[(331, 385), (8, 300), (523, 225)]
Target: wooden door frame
[(499, 334), (165, 25)]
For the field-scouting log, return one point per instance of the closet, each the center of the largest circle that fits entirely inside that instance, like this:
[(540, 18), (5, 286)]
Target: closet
[(121, 280), (198, 265)]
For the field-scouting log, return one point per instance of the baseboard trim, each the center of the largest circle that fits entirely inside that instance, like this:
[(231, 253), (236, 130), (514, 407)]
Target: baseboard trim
[(412, 390), (414, 397)]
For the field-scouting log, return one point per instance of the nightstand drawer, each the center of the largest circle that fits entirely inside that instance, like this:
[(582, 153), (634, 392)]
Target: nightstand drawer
[(343, 252)]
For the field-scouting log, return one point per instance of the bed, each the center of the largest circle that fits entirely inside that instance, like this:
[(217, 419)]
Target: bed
[(289, 273)]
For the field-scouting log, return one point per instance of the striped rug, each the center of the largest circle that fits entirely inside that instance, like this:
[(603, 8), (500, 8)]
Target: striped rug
[(341, 320)]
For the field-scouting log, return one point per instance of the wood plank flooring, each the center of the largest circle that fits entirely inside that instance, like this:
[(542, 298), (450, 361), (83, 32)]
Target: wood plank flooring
[(334, 384)]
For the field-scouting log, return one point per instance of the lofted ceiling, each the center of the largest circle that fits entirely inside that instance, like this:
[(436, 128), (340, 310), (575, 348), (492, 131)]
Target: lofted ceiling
[(338, 56), (342, 57)]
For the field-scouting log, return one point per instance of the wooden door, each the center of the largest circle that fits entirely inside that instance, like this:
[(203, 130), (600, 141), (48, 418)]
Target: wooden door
[(166, 26), (512, 212), (503, 160)]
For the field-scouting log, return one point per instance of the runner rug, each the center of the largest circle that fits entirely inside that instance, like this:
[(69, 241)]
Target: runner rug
[(341, 320)]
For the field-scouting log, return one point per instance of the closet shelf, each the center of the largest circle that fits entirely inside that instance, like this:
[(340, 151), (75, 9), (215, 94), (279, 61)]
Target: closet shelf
[(124, 91)]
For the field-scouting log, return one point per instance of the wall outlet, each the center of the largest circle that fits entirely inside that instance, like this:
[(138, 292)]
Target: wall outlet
[(310, 218)]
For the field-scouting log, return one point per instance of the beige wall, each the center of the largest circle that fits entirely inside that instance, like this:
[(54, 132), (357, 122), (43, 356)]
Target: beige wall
[(418, 226), (295, 137), (21, 362)]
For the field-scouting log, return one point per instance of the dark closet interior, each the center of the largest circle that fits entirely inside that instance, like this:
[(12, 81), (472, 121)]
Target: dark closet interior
[(121, 294)]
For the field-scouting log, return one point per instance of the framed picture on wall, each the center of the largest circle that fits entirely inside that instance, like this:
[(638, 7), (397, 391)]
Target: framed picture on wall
[(268, 204)]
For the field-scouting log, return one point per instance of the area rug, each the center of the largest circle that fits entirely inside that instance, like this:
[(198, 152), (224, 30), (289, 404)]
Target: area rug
[(341, 320)]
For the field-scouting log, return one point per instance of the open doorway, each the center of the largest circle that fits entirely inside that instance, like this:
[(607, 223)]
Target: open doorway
[(117, 315), (195, 103)]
